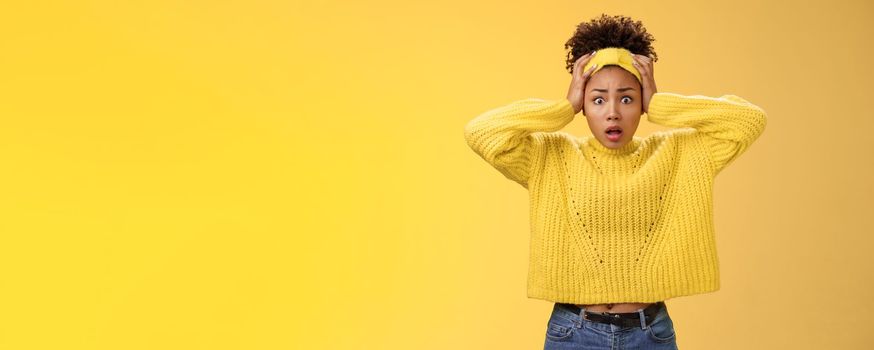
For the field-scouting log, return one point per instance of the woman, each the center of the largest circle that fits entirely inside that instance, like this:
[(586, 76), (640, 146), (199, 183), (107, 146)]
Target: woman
[(619, 223)]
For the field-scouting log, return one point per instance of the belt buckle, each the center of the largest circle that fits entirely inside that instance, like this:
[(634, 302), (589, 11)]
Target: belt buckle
[(614, 319)]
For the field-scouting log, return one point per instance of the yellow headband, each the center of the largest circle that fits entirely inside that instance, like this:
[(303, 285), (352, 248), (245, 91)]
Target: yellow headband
[(613, 55)]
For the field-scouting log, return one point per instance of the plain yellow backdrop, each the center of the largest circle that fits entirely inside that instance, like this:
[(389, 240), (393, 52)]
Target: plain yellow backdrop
[(293, 175)]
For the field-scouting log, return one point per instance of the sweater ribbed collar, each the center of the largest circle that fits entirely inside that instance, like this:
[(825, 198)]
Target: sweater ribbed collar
[(628, 148)]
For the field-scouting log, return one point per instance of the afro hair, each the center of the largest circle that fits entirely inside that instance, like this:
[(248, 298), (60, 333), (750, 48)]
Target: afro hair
[(609, 31)]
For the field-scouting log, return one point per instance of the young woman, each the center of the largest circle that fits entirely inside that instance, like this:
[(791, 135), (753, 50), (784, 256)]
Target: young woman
[(619, 223)]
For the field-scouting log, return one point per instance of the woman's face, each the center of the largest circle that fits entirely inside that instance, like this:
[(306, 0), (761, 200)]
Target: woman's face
[(613, 99)]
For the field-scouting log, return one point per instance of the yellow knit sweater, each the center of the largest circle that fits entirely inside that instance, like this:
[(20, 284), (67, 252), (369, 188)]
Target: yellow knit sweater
[(619, 225)]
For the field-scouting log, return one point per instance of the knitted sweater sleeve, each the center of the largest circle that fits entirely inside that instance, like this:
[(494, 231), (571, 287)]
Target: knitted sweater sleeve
[(505, 137), (727, 124)]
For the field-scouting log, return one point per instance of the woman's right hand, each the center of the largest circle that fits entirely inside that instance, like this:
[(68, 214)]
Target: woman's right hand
[(578, 82)]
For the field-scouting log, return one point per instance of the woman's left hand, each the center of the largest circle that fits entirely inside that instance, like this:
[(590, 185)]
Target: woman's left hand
[(644, 66)]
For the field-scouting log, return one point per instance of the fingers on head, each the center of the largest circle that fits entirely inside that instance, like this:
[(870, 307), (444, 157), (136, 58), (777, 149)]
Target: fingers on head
[(584, 57), (588, 73), (581, 62), (641, 63)]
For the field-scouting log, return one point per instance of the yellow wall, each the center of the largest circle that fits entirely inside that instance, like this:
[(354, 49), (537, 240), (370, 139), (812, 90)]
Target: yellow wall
[(293, 175)]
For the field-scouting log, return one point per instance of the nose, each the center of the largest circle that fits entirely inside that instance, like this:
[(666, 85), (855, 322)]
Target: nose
[(613, 112)]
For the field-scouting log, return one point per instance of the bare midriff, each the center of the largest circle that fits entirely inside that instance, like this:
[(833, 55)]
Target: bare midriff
[(615, 308)]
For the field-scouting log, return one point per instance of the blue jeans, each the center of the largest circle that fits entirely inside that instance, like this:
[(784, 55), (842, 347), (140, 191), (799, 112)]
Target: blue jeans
[(568, 330)]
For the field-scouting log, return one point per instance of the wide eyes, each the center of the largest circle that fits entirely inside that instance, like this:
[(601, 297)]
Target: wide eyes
[(625, 100)]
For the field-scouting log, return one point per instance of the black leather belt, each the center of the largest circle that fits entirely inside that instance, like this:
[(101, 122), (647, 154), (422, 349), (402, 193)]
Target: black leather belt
[(624, 319)]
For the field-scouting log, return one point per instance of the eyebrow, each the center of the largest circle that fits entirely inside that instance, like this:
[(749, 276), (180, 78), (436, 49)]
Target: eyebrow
[(620, 89)]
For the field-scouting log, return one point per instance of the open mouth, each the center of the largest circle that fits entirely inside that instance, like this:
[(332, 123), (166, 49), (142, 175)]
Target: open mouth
[(614, 133)]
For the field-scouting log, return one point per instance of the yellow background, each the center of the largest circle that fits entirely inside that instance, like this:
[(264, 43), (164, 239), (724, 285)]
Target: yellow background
[(293, 175)]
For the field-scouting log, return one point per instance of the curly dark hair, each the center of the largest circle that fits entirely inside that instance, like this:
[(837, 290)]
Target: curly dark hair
[(609, 31)]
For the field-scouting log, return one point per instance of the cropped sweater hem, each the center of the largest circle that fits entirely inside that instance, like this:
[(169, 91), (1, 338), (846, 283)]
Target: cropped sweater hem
[(648, 296)]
